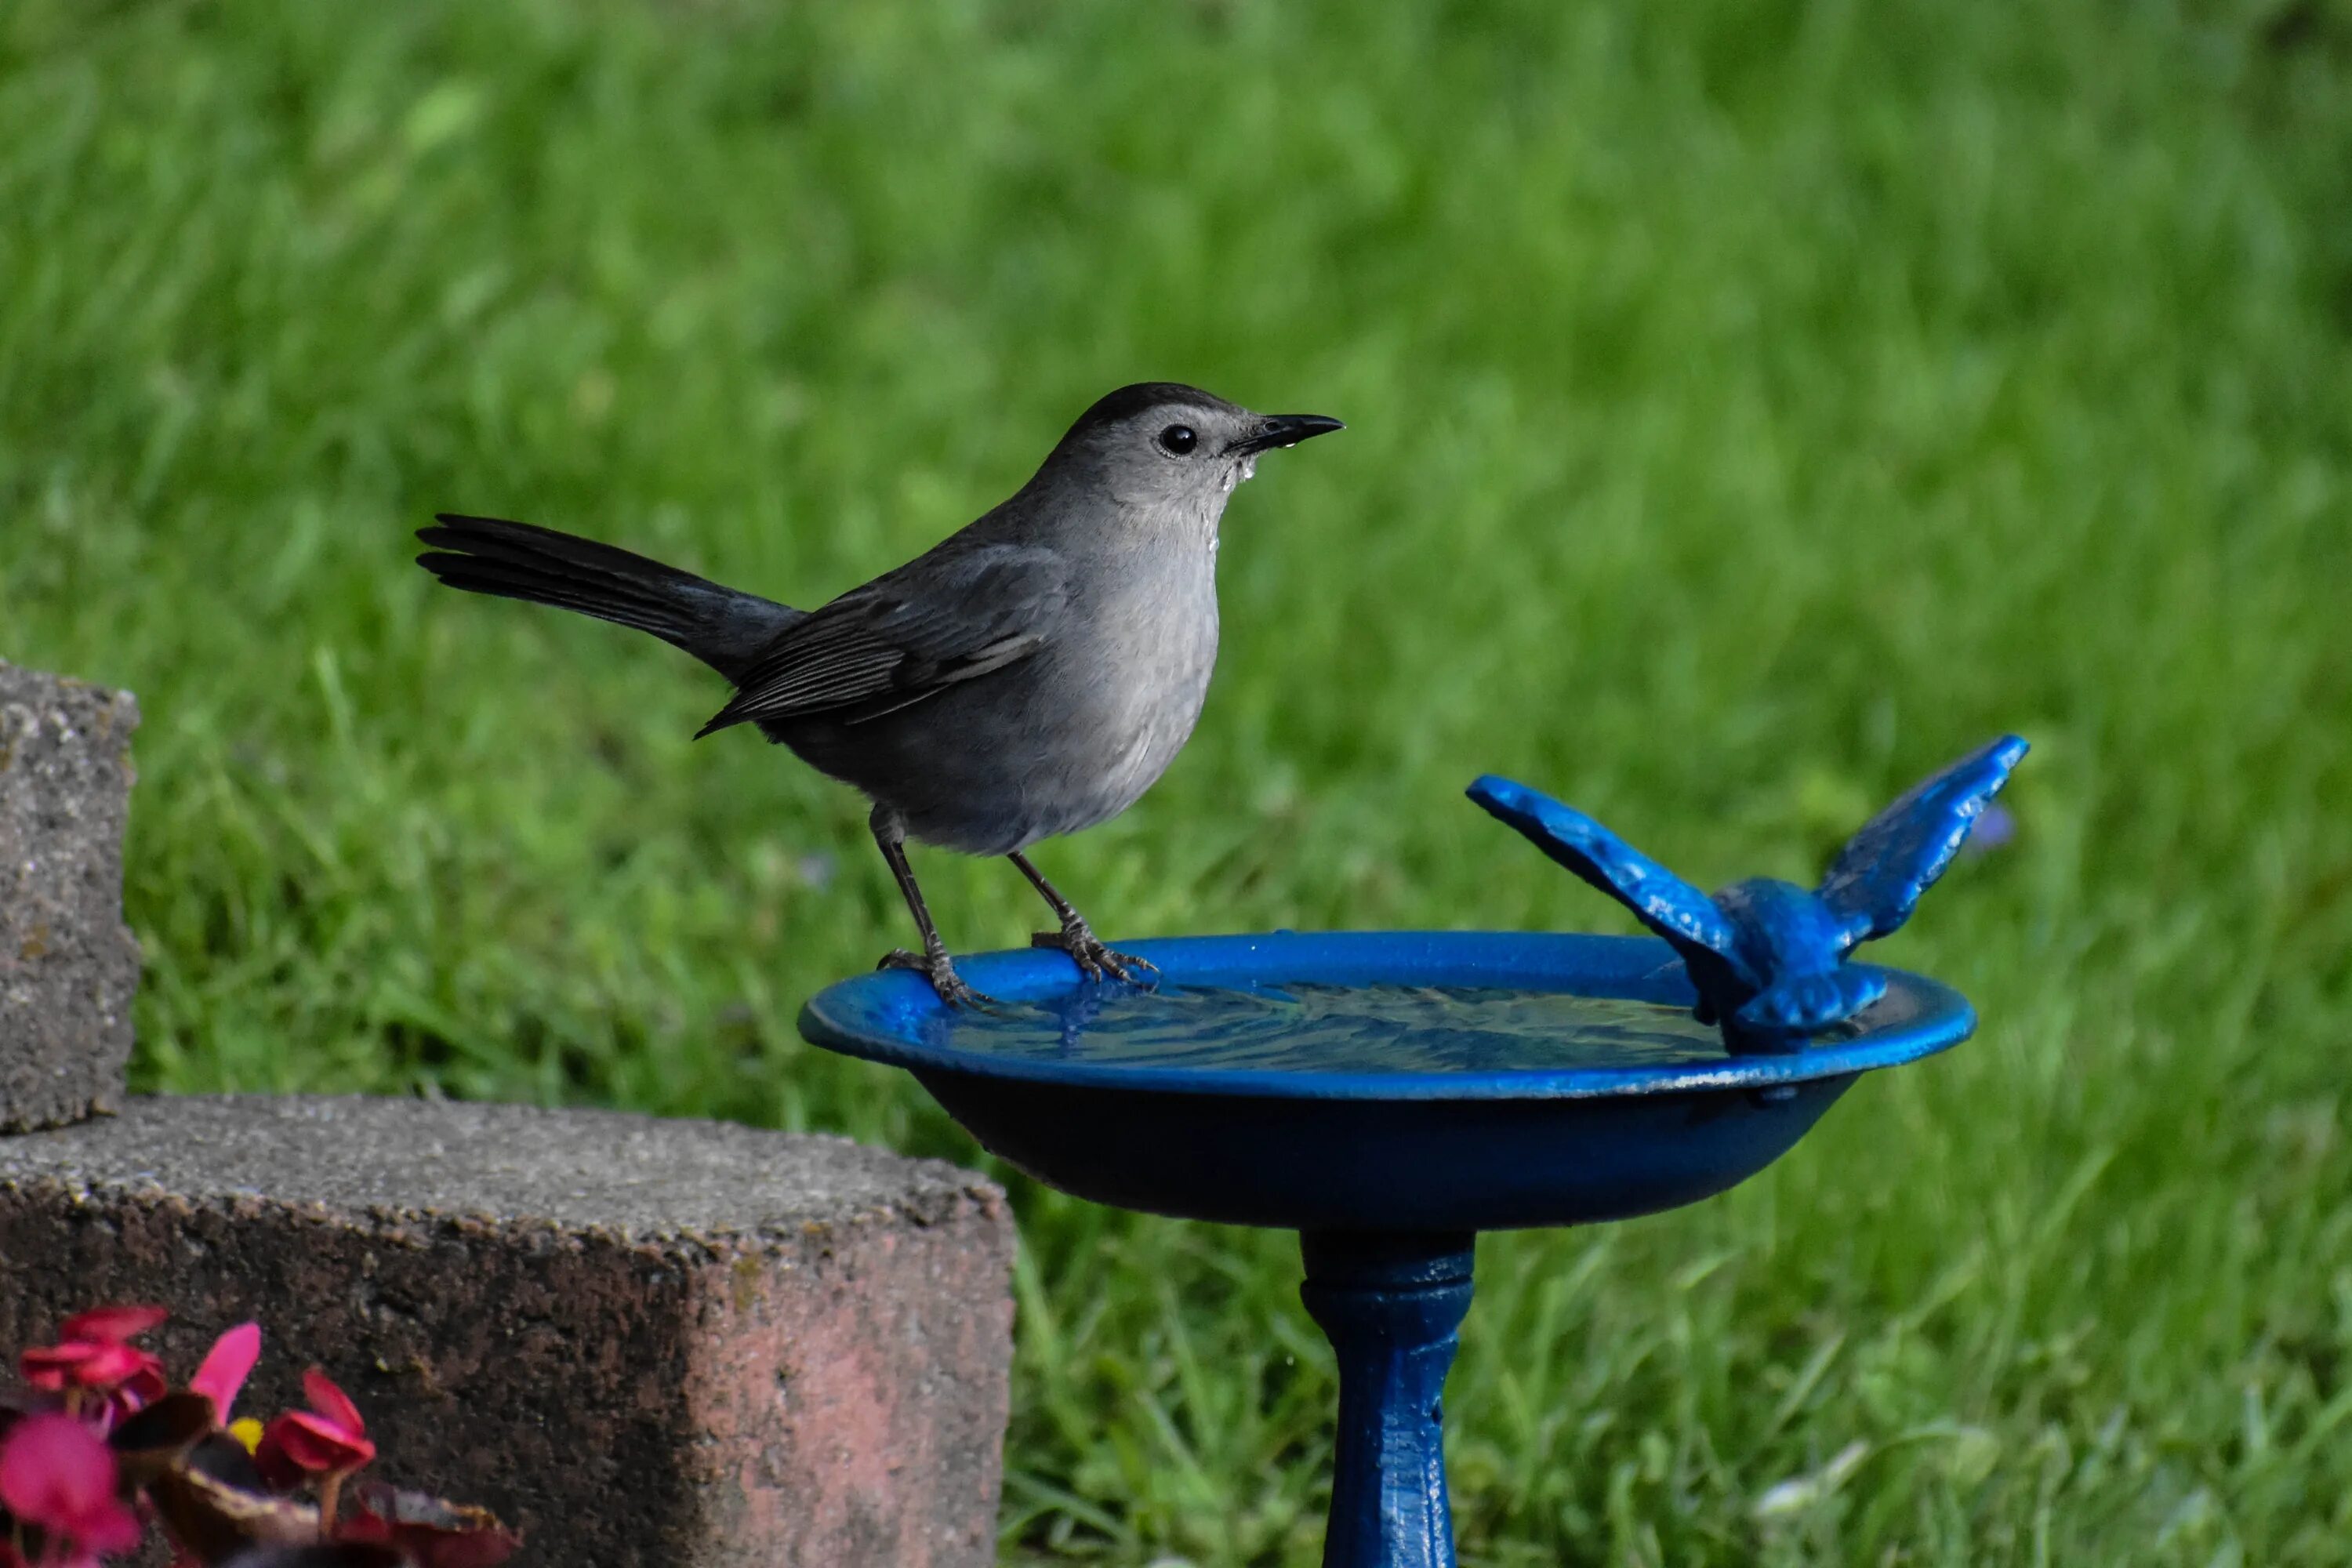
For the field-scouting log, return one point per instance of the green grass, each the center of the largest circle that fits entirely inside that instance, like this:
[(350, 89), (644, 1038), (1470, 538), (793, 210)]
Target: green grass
[(1750, 408)]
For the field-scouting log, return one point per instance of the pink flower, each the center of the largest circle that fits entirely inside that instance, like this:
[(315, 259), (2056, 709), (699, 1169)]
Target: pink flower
[(113, 1325), (83, 1363), (94, 1352), (55, 1474), (329, 1438), (225, 1367)]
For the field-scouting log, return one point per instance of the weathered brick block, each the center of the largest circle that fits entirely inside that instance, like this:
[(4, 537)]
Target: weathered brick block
[(67, 964), (643, 1342)]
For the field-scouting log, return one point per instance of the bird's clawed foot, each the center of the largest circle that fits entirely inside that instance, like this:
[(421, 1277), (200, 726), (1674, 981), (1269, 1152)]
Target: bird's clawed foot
[(941, 972), (1095, 960)]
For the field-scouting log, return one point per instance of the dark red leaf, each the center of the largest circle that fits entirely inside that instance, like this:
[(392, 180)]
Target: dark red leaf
[(336, 1554), (216, 1521), (153, 1440), (225, 1459), (436, 1533)]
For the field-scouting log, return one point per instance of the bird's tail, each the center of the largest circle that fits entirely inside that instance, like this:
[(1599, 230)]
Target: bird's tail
[(721, 626)]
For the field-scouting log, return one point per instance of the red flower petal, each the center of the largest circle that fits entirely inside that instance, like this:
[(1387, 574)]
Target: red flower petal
[(113, 1364), (57, 1473), (111, 1325), (333, 1402), (319, 1444), (47, 1367), (145, 1386), (278, 1472), (227, 1366), (94, 1363)]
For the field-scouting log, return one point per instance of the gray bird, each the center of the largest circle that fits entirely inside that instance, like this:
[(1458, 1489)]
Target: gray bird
[(1027, 676)]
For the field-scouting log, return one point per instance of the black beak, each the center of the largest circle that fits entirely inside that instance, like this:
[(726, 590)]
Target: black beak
[(1284, 430)]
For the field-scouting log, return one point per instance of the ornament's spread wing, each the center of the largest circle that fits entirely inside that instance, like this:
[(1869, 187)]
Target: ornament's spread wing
[(1882, 871), (1801, 1003), (1666, 903), (949, 617)]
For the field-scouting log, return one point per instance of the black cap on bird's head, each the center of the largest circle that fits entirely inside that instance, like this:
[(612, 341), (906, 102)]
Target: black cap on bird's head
[(1118, 408)]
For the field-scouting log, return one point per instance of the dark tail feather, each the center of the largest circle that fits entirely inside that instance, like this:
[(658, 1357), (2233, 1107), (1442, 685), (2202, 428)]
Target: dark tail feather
[(722, 627)]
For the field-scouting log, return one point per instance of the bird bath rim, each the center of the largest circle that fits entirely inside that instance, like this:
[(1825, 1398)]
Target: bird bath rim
[(893, 1016)]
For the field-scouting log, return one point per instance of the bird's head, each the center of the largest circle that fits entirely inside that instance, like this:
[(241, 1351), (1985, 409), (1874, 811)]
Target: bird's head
[(1159, 445)]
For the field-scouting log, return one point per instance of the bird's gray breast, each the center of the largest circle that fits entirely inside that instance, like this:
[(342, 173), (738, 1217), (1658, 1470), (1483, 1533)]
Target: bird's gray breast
[(1065, 738), (1132, 680)]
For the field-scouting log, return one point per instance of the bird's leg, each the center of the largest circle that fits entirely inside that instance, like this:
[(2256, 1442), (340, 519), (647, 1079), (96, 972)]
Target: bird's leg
[(1078, 940), (932, 963)]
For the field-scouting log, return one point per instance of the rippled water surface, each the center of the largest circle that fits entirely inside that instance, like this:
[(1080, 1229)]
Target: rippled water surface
[(1340, 1028)]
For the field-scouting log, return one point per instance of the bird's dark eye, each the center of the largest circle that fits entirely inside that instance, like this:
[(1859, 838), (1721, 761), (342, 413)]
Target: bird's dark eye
[(1178, 439)]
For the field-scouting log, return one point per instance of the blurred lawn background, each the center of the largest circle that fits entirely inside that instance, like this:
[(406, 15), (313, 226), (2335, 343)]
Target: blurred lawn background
[(1751, 406)]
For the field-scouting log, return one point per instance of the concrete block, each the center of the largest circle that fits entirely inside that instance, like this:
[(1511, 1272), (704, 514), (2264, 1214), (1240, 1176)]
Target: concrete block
[(67, 964), (643, 1341)]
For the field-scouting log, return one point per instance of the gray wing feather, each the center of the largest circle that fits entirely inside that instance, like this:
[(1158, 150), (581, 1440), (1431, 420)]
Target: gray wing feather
[(904, 637)]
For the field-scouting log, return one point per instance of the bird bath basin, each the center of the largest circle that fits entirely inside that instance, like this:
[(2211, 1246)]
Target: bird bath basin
[(1388, 1095)]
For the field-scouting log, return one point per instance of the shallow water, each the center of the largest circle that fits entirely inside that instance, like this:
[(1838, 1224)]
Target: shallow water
[(1340, 1028)]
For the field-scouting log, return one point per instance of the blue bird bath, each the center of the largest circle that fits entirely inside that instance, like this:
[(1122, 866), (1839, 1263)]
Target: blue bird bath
[(1388, 1095)]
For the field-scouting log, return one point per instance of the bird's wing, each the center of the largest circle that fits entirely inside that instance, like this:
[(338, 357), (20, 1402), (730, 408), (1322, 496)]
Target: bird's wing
[(1878, 877), (1669, 906), (909, 635)]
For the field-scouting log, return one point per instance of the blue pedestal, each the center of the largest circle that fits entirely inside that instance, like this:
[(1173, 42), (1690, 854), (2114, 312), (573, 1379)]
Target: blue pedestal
[(1390, 1304)]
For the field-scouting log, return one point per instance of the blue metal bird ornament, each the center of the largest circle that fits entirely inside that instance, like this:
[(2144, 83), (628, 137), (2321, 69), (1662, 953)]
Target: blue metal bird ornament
[(1768, 957)]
